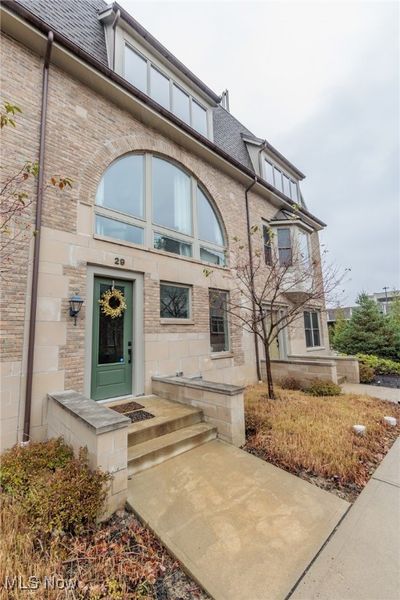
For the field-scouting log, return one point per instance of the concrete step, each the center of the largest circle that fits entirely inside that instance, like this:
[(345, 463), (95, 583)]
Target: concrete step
[(168, 417), (155, 451)]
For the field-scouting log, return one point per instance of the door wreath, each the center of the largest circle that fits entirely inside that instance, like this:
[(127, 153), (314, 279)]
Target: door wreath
[(113, 303)]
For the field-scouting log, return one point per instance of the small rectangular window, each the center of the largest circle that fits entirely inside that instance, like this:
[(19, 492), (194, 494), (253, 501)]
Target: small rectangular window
[(219, 339), (278, 179), (199, 118), (269, 172), (311, 329), (159, 87), (180, 104), (267, 245), (168, 244), (174, 301), (212, 256), (286, 185), (135, 69), (304, 253), (293, 190), (118, 230), (284, 247)]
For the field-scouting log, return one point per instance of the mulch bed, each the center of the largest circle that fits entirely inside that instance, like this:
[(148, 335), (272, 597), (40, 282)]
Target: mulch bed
[(128, 407)]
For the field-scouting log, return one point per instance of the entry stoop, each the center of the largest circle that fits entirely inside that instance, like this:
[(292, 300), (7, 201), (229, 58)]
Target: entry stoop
[(173, 429)]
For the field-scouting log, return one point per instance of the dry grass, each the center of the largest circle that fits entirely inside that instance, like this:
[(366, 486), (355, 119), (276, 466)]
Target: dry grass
[(118, 560), (313, 436)]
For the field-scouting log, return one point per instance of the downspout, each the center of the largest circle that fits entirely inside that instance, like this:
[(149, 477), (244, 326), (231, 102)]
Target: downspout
[(250, 244), (36, 247), (113, 27)]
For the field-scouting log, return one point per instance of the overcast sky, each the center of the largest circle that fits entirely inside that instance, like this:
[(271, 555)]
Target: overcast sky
[(320, 81)]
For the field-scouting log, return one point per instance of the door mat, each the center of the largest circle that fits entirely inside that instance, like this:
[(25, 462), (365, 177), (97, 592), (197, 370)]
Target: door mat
[(128, 407), (139, 415)]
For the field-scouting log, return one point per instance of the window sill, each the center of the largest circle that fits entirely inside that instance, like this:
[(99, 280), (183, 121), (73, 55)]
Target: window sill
[(217, 355), (315, 348), (176, 322)]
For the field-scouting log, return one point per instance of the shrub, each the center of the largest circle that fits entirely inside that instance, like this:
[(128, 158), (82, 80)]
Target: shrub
[(20, 464), (290, 383), (319, 387), (55, 491), (367, 374), (381, 366), (67, 500)]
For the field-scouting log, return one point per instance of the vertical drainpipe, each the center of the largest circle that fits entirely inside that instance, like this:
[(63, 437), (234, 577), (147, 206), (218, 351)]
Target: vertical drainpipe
[(250, 245), (36, 247)]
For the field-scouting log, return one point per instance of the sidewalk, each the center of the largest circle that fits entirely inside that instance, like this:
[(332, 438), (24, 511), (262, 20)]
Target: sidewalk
[(376, 391), (361, 561)]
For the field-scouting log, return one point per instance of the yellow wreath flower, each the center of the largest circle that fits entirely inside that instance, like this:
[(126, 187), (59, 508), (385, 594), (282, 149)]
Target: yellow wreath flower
[(113, 303)]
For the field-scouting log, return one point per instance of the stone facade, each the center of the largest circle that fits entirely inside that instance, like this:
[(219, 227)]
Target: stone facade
[(85, 133)]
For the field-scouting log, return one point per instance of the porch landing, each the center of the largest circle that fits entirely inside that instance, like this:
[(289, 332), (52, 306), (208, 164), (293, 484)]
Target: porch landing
[(242, 527)]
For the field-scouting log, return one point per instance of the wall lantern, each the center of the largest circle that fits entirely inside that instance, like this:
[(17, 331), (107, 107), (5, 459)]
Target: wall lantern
[(75, 305)]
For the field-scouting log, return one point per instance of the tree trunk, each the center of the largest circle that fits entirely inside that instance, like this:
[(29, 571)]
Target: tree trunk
[(270, 383)]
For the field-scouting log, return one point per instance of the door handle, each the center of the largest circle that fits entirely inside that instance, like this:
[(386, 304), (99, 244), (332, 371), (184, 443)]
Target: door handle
[(129, 353)]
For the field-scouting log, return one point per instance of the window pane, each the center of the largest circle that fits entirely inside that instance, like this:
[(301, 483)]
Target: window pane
[(167, 244), (122, 186), (159, 87), (118, 230), (267, 246), (284, 238), (111, 334), (307, 320), (303, 248), (181, 104), (199, 118), (309, 341), (278, 179), (135, 69), (172, 205), (209, 229), (218, 322), (212, 256), (286, 186), (174, 302), (269, 173), (293, 191), (285, 257), (314, 320), (316, 337)]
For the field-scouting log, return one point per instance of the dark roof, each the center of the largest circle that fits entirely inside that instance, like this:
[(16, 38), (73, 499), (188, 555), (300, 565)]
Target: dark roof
[(227, 135), (77, 20)]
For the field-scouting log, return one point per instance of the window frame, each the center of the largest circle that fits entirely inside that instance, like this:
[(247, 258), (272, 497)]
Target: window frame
[(292, 182), (312, 329), (182, 320), (267, 245), (151, 227), (290, 264), (172, 82), (227, 336)]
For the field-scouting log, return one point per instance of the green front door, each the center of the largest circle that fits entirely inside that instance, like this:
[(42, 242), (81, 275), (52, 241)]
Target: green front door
[(111, 344)]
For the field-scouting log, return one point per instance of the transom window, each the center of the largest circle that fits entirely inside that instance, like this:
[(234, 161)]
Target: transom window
[(311, 328), (147, 200), (141, 73)]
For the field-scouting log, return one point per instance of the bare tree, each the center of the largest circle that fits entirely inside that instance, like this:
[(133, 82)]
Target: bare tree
[(15, 201), (274, 286)]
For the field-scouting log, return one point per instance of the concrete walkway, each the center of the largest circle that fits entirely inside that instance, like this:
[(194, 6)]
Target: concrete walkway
[(361, 561), (376, 391), (244, 529)]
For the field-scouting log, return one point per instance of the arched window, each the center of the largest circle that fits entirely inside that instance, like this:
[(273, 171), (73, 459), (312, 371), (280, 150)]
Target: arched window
[(148, 200)]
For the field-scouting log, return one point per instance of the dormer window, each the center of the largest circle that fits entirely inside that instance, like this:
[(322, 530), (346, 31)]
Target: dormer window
[(280, 180), (150, 79)]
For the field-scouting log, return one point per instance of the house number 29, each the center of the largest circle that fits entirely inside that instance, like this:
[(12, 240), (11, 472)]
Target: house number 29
[(119, 261)]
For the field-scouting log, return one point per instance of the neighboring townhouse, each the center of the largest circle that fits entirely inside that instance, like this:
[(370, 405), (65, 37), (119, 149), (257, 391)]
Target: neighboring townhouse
[(160, 169), (383, 299)]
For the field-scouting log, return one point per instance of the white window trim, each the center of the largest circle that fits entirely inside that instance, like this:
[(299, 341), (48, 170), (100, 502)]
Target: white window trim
[(321, 345), (150, 63), (177, 320), (283, 172), (150, 227)]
